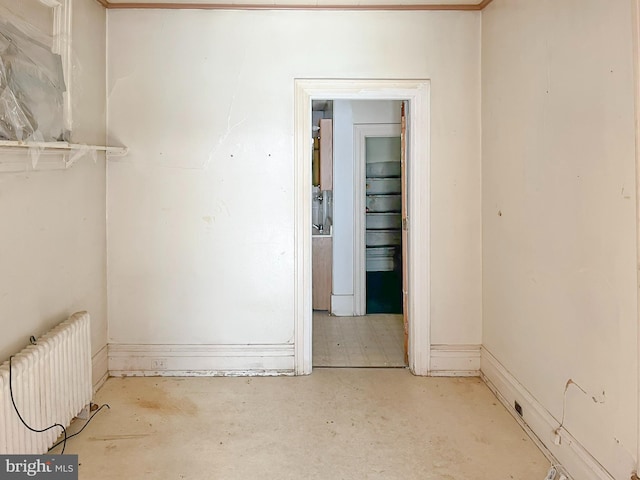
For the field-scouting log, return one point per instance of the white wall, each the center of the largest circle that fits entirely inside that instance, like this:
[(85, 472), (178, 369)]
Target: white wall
[(346, 114), (559, 240), (201, 212), (53, 256)]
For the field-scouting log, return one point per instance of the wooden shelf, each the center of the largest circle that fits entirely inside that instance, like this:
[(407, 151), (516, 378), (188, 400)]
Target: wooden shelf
[(322, 261)]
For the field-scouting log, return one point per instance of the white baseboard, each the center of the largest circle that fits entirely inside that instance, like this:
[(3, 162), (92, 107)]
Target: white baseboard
[(100, 368), (342, 305), (539, 423), (200, 360), (455, 361)]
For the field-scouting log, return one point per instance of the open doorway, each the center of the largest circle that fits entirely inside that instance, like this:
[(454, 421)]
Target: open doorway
[(415, 93), (380, 202), (357, 281), (383, 223)]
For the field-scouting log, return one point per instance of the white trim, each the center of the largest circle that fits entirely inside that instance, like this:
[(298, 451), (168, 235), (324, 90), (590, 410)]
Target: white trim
[(61, 44), (63, 41), (64, 146), (417, 93), (360, 133), (35, 156), (539, 423), (342, 305), (302, 229), (200, 360), (455, 360), (100, 368), (636, 71)]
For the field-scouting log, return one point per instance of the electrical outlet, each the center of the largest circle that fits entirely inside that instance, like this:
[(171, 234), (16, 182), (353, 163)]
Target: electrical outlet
[(551, 475), (561, 473), (159, 364), (518, 407), (557, 438)]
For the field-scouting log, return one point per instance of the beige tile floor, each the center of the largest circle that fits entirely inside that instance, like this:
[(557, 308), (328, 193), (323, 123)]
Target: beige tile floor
[(368, 341), (333, 424)]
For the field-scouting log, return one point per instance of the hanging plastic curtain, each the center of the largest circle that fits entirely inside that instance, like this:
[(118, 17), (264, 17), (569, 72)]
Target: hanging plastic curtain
[(31, 88)]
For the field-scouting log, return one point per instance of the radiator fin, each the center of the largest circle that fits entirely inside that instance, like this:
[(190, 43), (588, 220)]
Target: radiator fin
[(51, 384)]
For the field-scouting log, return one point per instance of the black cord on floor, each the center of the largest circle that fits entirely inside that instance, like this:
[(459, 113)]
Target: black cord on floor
[(83, 427), (15, 407)]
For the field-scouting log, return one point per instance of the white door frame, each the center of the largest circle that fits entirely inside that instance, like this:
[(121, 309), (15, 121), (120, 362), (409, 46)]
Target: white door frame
[(418, 163), (636, 71), (360, 134)]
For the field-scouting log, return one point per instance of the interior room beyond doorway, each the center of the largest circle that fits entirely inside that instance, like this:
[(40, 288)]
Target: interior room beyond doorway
[(347, 133)]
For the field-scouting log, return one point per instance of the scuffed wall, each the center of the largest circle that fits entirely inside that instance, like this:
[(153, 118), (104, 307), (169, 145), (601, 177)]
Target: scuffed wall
[(559, 215), (201, 212), (53, 256)]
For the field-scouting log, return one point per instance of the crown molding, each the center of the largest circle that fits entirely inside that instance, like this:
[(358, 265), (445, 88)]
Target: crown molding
[(250, 6)]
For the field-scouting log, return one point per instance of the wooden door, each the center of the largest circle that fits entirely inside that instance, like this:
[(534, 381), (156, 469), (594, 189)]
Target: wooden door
[(405, 228), (322, 261), (326, 154)]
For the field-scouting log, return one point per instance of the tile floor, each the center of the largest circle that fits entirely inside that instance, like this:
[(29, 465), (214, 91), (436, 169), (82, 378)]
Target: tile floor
[(337, 423), (369, 341)]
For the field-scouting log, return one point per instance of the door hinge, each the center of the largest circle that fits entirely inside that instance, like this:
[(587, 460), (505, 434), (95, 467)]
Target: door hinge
[(405, 223)]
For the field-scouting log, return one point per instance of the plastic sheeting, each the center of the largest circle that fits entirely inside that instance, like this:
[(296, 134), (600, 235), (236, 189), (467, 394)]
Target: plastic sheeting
[(32, 88)]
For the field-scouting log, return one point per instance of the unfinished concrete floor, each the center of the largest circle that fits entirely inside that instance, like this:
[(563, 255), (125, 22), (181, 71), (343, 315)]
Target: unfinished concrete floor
[(333, 424)]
